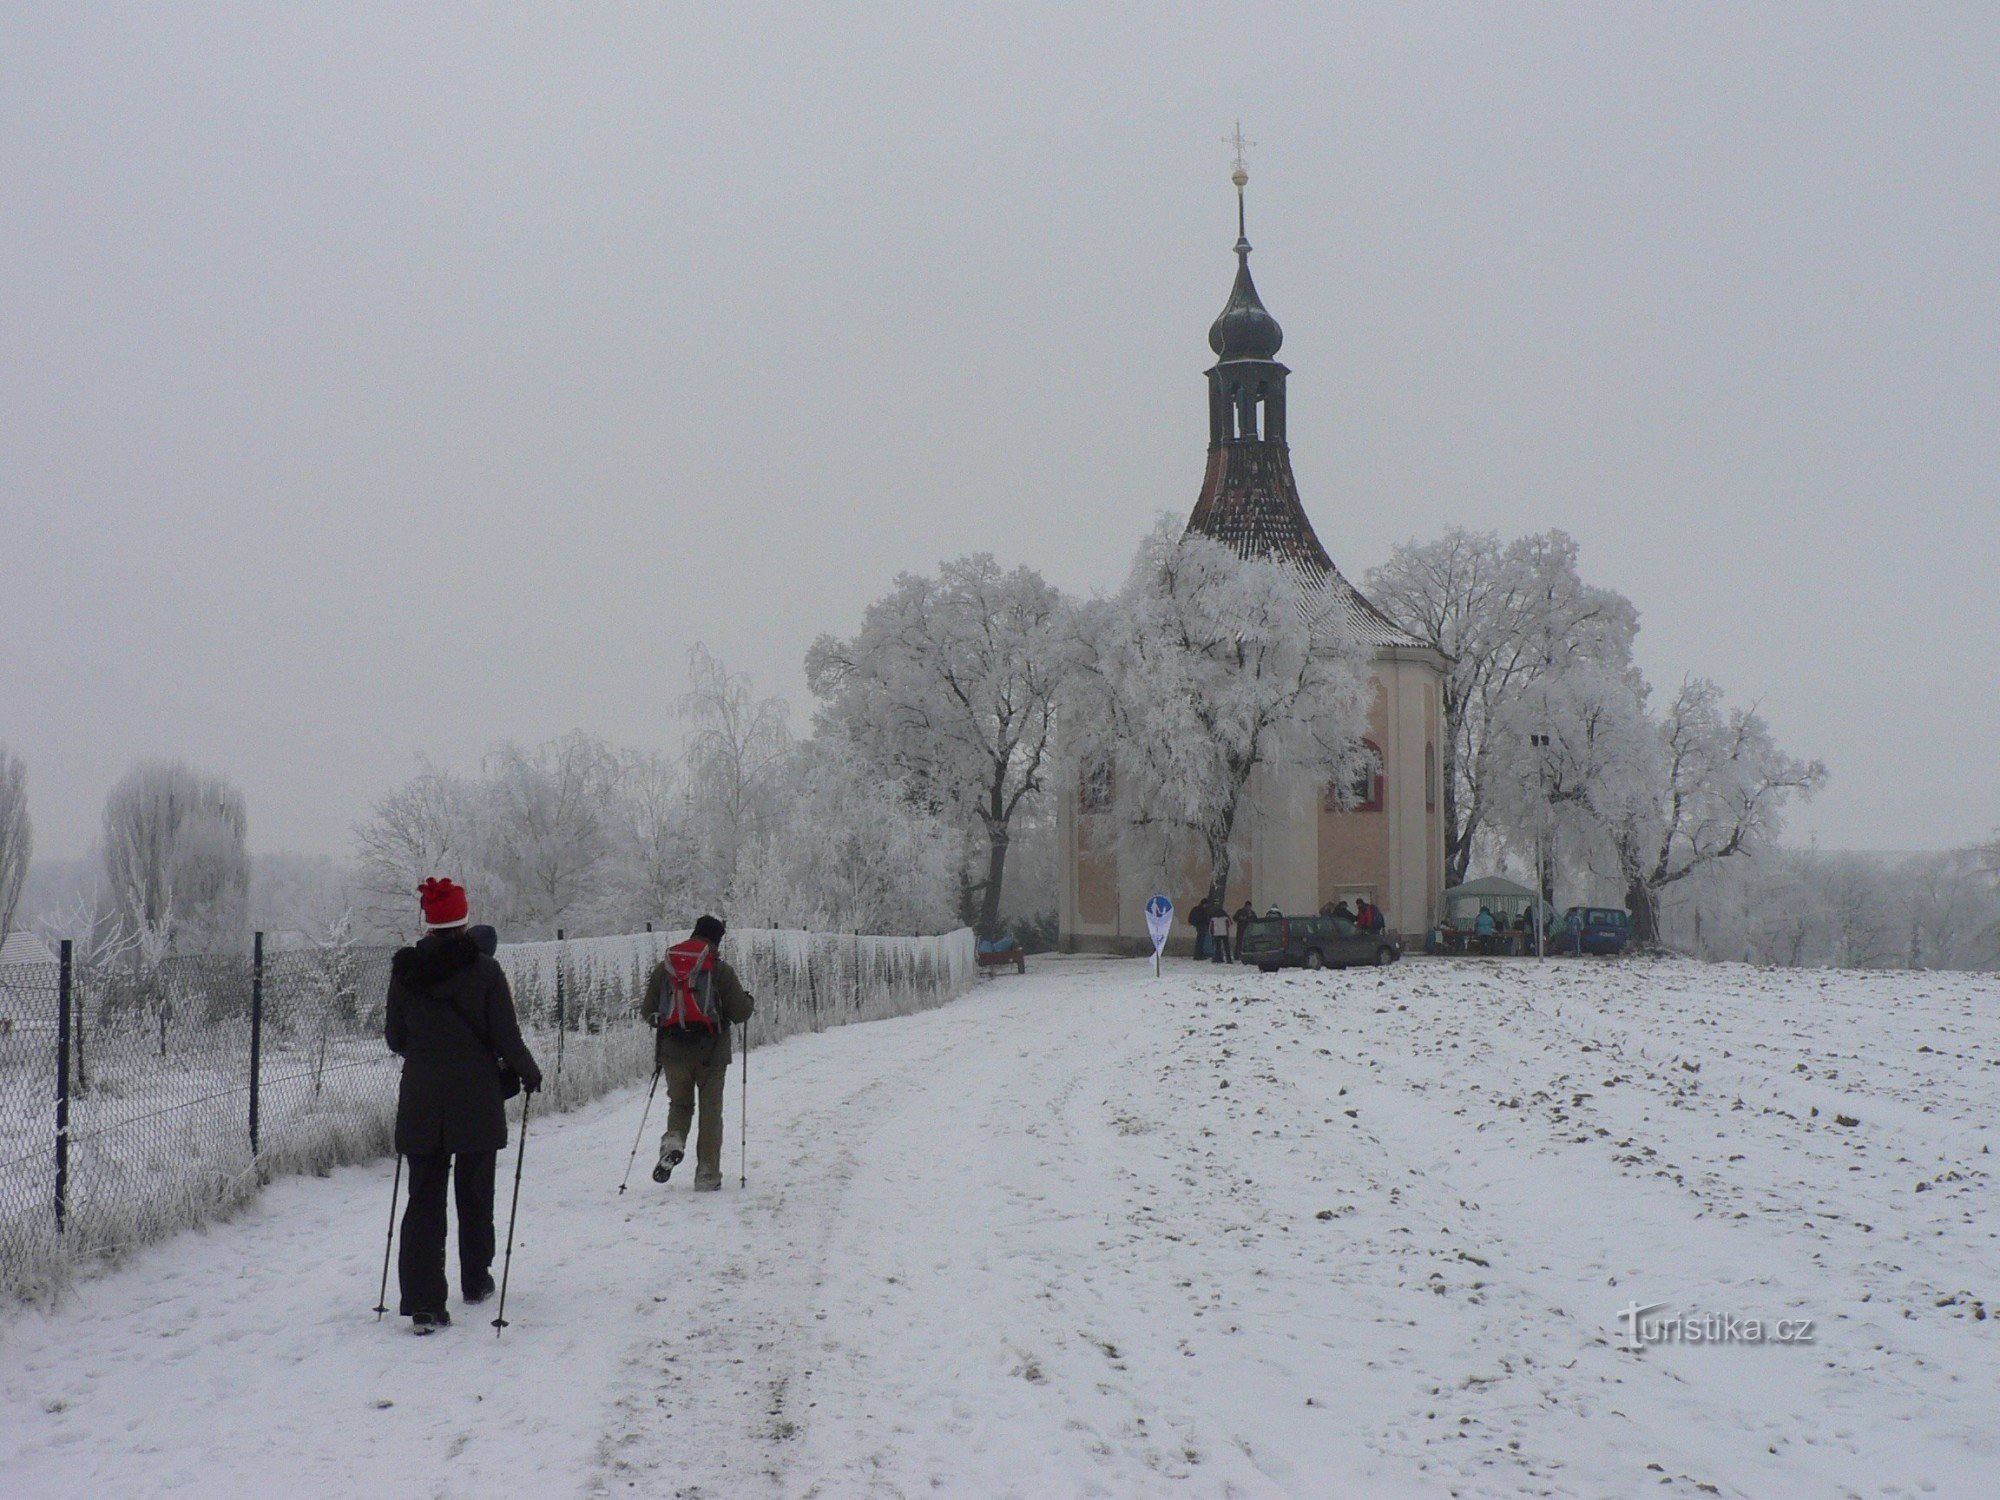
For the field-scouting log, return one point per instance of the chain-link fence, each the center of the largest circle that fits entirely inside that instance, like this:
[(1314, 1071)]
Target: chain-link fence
[(29, 1121), (137, 1098)]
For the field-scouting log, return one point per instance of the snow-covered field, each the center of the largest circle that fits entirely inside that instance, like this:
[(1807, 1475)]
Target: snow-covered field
[(1092, 1233)]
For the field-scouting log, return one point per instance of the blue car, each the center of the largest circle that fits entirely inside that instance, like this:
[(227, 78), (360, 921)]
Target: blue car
[(1592, 929)]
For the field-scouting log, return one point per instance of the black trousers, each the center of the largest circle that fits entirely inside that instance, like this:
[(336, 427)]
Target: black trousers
[(420, 1262)]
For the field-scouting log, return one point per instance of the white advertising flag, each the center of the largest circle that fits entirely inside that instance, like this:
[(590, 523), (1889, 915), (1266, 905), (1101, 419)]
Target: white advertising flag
[(1159, 922)]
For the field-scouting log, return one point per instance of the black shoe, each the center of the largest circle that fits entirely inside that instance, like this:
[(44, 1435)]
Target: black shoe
[(478, 1291), (429, 1322), (665, 1167)]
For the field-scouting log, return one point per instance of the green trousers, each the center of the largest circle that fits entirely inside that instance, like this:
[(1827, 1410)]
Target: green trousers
[(690, 1085)]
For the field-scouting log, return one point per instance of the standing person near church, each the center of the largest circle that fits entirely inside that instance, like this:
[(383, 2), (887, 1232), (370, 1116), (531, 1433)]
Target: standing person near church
[(1244, 913), (450, 1017), (692, 1000), (1198, 919), (1218, 934)]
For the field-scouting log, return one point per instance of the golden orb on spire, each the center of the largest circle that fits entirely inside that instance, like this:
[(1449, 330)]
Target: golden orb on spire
[(1238, 148)]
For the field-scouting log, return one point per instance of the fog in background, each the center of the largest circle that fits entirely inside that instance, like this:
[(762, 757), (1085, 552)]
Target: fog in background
[(381, 380)]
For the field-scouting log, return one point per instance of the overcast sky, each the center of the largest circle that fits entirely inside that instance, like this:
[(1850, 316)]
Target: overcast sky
[(385, 380)]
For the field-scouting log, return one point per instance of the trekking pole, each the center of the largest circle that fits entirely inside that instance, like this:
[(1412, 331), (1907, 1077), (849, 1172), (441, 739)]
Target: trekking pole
[(506, 1265), (395, 1192), (642, 1127), (743, 1135)]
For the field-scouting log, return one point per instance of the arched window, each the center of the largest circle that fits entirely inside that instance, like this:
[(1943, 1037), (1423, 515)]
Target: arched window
[(1430, 778), (1364, 793)]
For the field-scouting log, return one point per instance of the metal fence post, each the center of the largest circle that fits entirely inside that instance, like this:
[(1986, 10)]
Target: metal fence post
[(63, 984), (256, 1032), (562, 1025)]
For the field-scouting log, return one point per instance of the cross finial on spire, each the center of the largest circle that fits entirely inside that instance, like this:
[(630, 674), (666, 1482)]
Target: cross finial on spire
[(1238, 147)]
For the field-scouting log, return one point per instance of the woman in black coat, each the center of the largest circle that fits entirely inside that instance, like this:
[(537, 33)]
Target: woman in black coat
[(451, 1019)]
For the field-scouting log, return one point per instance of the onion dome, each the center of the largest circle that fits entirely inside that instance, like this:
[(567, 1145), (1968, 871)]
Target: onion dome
[(1245, 330)]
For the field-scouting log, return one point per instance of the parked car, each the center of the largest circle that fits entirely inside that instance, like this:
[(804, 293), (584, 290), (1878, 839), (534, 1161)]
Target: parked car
[(1312, 943), (1592, 929)]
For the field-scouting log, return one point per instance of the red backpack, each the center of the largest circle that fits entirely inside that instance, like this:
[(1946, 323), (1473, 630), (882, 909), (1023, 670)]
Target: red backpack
[(690, 1008)]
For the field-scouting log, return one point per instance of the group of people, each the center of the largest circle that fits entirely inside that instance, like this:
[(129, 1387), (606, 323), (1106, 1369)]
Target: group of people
[(451, 1018), (1491, 932), (1215, 925), (1364, 914)]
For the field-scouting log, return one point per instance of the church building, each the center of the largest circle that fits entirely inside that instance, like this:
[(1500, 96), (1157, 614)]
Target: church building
[(1300, 849)]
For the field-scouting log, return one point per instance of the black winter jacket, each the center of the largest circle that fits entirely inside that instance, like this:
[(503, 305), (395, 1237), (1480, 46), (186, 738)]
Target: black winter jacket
[(445, 996)]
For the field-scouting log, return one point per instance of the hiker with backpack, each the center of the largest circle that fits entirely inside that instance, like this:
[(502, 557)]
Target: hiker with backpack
[(692, 1000), (450, 1017)]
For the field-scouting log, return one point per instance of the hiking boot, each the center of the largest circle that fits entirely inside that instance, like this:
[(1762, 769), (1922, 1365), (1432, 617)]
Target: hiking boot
[(703, 1183), (429, 1322), (670, 1157), (478, 1291)]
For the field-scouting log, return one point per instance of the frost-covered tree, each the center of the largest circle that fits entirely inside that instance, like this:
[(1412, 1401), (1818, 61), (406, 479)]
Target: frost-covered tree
[(1765, 908), (1840, 908), (1949, 906), (1718, 789), (1985, 858), (1863, 924), (852, 854), (735, 754), (949, 692), (1568, 759), (547, 831), (176, 861), (1939, 906), (1505, 616), (430, 825), (1030, 901), (17, 837), (1202, 672), (574, 835), (657, 864), (534, 837)]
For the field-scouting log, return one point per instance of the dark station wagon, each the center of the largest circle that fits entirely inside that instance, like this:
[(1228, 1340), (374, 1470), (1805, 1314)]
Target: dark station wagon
[(1312, 943)]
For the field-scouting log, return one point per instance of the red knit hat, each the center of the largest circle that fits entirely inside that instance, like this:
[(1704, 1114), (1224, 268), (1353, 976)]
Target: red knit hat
[(445, 903)]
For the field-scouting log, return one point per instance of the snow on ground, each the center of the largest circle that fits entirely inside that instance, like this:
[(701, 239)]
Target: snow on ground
[(1092, 1233)]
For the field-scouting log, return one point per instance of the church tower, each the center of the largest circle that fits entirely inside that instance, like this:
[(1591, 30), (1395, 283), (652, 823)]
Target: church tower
[(1301, 845), (1249, 500), (1248, 497)]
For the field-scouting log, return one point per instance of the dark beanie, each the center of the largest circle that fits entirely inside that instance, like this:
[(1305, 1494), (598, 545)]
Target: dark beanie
[(710, 929), (484, 938)]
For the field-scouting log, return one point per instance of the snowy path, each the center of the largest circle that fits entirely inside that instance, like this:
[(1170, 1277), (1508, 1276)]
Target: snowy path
[(1088, 1233)]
